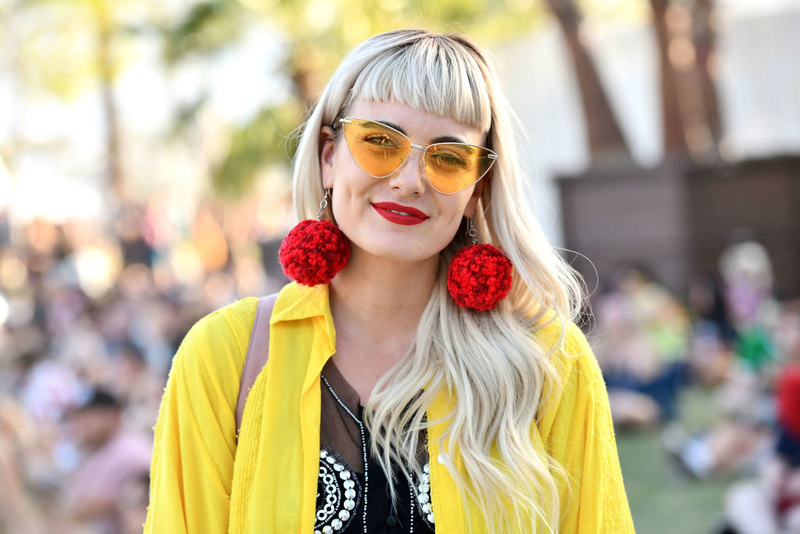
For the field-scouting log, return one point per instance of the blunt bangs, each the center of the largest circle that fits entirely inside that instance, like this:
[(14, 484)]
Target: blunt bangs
[(433, 74)]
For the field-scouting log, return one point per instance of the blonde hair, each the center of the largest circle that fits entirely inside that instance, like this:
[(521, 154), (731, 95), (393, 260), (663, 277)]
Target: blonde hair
[(489, 362)]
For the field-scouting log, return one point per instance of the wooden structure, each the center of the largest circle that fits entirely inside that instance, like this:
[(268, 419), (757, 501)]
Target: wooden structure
[(677, 218)]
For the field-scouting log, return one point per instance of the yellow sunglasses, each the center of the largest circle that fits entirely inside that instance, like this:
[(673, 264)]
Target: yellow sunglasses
[(380, 151)]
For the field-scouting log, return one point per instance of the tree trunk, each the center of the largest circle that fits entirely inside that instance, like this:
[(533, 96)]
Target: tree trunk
[(674, 138), (704, 44), (115, 170), (305, 87), (605, 135)]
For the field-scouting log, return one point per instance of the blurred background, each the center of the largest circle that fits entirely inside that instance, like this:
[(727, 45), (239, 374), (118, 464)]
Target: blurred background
[(144, 181)]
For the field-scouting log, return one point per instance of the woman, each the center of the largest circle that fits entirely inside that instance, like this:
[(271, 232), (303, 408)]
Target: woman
[(382, 392)]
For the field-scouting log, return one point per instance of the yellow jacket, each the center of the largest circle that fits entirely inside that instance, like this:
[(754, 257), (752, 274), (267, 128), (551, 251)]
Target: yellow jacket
[(202, 484)]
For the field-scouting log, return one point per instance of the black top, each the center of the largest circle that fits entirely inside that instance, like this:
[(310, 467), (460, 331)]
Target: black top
[(340, 438)]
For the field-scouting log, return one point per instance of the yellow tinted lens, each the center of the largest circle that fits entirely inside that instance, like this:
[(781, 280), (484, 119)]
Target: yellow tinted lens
[(453, 167), (377, 149)]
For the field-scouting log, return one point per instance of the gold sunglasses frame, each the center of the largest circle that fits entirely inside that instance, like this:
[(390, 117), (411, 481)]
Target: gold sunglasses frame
[(491, 154)]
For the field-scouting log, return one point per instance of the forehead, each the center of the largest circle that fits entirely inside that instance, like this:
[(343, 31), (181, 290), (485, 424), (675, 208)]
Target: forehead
[(441, 75), (420, 126)]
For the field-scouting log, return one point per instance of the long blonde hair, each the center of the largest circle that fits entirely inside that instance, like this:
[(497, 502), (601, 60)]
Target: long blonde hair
[(489, 362)]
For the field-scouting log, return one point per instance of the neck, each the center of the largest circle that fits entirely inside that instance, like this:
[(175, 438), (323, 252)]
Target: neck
[(378, 300)]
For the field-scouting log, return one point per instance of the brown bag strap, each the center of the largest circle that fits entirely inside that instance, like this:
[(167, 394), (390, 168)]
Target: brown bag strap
[(257, 354)]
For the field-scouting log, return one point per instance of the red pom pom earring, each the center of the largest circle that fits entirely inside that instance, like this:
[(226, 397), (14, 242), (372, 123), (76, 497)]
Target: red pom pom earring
[(479, 276), (313, 252)]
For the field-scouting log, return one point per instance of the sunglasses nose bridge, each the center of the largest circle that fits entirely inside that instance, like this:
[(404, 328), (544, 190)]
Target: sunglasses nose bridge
[(423, 174), (408, 155), (423, 150)]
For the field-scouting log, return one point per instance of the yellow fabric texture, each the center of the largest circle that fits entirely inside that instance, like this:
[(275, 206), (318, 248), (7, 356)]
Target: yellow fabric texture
[(201, 483)]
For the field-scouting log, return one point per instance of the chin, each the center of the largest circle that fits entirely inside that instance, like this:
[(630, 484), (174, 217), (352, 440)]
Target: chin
[(395, 251)]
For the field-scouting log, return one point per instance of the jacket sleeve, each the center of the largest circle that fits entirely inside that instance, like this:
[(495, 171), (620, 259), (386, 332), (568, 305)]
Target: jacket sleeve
[(580, 438), (194, 448)]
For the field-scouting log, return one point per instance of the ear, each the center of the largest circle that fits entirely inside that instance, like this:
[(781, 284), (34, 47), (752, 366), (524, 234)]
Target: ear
[(472, 204), (326, 146)]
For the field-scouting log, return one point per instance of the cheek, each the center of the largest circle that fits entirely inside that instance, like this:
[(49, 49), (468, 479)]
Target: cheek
[(456, 206), (451, 219), (453, 223), (339, 214), (344, 205), (343, 174)]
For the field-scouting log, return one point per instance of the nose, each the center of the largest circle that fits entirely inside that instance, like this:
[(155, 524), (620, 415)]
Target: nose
[(410, 178)]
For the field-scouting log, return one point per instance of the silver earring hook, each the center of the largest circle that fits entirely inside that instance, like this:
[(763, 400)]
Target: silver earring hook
[(323, 204), (472, 232)]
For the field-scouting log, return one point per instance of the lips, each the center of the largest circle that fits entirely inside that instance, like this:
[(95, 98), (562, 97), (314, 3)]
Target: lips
[(398, 214)]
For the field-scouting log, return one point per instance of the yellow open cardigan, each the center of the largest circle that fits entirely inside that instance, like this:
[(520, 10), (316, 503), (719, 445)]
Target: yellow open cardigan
[(201, 483)]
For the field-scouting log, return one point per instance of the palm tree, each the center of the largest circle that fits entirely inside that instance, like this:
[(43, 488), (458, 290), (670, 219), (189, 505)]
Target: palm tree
[(605, 135), (674, 139), (704, 45), (50, 59), (315, 43), (689, 103)]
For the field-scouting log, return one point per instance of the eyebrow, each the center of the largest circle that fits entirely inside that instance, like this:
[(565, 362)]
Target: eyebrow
[(440, 139)]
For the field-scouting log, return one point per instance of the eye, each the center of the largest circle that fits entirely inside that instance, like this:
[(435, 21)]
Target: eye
[(448, 160), (379, 139)]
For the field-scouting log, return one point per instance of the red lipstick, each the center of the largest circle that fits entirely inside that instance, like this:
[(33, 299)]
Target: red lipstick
[(398, 214)]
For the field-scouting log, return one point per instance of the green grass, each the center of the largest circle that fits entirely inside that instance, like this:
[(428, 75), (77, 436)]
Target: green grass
[(662, 501)]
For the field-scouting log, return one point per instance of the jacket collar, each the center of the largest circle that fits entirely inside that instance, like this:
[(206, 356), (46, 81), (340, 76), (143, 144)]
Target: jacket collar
[(296, 303)]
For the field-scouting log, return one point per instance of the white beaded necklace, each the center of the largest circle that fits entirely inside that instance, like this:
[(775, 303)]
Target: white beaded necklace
[(366, 465)]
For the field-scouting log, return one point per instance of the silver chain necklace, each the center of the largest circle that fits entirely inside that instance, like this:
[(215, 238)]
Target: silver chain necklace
[(366, 465)]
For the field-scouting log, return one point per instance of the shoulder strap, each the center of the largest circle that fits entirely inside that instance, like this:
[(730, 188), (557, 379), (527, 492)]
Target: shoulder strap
[(257, 354)]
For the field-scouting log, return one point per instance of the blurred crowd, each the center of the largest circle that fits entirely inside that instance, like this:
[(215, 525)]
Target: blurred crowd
[(731, 339), (90, 316)]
